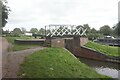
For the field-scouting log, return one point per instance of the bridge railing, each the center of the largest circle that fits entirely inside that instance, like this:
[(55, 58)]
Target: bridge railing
[(62, 30)]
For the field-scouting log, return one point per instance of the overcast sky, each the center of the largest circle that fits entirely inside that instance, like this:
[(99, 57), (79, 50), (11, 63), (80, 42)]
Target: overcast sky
[(38, 13)]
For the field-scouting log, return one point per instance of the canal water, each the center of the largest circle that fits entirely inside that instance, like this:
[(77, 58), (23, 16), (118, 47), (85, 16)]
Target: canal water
[(105, 68)]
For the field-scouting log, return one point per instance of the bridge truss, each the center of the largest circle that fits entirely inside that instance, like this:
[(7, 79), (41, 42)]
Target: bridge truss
[(64, 30)]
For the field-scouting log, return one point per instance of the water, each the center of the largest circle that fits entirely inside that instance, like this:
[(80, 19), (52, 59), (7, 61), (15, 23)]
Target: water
[(105, 68)]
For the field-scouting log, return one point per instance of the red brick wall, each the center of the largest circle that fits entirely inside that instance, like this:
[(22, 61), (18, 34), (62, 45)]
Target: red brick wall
[(69, 44), (58, 43), (74, 47), (88, 53), (83, 40)]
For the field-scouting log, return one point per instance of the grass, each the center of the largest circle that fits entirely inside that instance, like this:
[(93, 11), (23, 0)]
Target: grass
[(108, 50), (17, 47), (55, 63)]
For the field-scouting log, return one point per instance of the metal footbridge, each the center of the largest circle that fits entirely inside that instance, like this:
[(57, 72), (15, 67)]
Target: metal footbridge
[(64, 31)]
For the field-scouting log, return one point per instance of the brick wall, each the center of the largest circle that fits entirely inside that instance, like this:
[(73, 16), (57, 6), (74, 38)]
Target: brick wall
[(74, 46), (59, 42), (69, 45), (88, 53), (83, 41)]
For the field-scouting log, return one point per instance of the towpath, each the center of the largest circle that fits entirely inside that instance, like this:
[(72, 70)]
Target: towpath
[(12, 60)]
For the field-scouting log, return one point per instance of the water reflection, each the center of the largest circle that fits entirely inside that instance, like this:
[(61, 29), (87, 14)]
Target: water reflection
[(108, 71), (105, 68)]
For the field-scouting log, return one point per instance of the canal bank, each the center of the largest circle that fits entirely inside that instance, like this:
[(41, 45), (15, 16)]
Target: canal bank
[(76, 47), (102, 67), (102, 63)]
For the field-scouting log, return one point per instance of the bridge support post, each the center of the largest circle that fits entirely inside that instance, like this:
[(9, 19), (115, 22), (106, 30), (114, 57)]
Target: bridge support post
[(48, 41), (76, 45), (76, 41)]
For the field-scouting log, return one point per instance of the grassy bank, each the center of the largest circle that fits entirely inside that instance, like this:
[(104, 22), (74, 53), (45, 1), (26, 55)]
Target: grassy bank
[(17, 47), (108, 50), (55, 63)]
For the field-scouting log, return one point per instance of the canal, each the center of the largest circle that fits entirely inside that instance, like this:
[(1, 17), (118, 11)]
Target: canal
[(105, 68)]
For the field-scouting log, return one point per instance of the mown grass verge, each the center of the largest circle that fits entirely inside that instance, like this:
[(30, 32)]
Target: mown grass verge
[(55, 63), (17, 47), (108, 50)]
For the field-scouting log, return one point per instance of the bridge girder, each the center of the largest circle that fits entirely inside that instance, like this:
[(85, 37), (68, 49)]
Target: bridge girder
[(63, 30)]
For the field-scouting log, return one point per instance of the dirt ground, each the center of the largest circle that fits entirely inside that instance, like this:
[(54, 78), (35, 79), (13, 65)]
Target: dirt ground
[(11, 60)]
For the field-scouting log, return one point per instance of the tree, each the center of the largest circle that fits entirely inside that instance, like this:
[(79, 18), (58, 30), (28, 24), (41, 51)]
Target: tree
[(92, 34), (105, 30), (23, 30), (79, 26), (86, 26), (33, 30), (5, 32), (5, 11), (41, 31), (17, 32), (117, 29), (93, 30)]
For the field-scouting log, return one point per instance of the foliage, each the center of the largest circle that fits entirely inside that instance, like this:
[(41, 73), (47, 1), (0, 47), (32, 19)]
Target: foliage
[(5, 32), (105, 30), (5, 12), (93, 30), (17, 32), (79, 26), (55, 63), (91, 36), (117, 29), (41, 31), (86, 26), (33, 30), (108, 50), (23, 30)]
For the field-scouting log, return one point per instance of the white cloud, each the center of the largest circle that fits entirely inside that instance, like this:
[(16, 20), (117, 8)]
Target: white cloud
[(37, 13)]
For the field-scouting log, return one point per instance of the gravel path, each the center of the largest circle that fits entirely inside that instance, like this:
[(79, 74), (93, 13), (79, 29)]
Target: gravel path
[(11, 60), (15, 59), (3, 56)]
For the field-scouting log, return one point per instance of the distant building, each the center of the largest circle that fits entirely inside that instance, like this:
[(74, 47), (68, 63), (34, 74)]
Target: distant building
[(28, 34)]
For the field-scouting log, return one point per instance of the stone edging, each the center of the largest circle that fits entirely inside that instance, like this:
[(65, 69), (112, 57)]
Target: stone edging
[(108, 58)]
